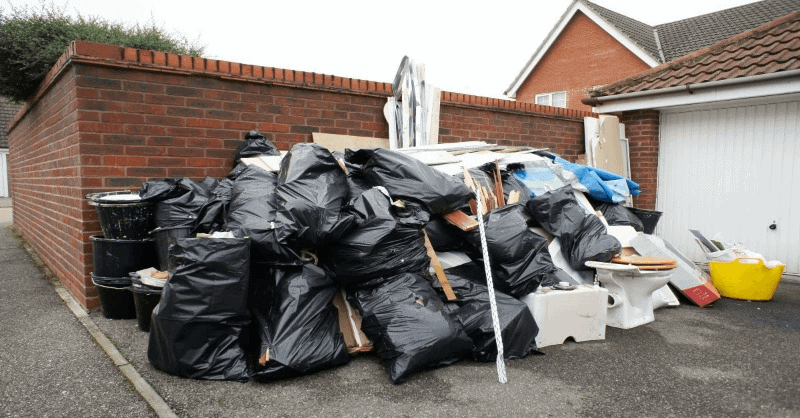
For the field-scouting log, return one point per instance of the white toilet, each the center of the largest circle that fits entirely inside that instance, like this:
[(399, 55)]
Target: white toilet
[(630, 291)]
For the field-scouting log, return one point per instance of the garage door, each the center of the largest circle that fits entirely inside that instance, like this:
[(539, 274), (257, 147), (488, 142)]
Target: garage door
[(732, 171)]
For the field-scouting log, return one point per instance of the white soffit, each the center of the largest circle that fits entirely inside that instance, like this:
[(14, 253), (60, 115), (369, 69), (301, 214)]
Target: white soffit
[(702, 95), (577, 6)]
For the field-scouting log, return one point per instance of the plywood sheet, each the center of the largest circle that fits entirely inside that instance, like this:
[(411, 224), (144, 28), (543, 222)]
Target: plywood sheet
[(335, 142), (608, 152)]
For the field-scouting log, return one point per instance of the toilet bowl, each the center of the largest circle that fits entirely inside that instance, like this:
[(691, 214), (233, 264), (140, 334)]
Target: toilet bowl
[(630, 290)]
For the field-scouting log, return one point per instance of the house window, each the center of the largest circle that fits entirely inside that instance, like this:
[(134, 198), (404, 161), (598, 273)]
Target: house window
[(556, 98)]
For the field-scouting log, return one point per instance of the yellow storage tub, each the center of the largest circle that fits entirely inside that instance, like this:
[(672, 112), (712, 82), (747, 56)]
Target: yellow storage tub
[(745, 278)]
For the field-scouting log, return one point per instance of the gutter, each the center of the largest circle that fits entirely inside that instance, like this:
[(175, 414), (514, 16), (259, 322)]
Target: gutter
[(690, 88)]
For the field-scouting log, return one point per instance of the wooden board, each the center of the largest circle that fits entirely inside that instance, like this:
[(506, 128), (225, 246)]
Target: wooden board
[(461, 221), (437, 267), (608, 153), (350, 326), (335, 142)]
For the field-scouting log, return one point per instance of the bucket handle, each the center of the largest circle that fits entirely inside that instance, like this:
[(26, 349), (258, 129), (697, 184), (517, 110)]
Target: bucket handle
[(756, 260)]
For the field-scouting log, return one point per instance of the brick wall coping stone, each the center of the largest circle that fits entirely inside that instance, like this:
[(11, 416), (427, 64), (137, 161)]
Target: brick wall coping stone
[(164, 62)]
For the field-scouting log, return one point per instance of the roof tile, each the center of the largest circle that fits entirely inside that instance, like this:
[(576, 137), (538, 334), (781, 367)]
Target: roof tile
[(767, 49)]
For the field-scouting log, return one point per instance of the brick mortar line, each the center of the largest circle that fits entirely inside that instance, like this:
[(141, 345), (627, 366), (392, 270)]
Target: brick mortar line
[(141, 386)]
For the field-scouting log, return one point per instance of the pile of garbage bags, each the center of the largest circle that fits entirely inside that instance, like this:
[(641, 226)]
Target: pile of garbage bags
[(250, 297)]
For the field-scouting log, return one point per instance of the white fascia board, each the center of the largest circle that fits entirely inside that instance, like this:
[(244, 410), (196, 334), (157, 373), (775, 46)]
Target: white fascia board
[(556, 32), (722, 93)]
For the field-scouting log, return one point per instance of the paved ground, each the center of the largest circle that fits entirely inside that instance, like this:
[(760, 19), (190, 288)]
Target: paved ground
[(734, 359)]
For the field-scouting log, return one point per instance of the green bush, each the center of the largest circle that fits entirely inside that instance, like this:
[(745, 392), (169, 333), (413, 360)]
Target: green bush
[(32, 40)]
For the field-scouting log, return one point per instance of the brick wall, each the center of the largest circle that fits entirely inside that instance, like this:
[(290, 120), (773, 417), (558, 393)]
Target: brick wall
[(110, 118), (641, 129), (583, 56)]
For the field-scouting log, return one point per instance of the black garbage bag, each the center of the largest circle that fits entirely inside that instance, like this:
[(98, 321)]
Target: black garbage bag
[(199, 329), (443, 236), (583, 236), (472, 309), (157, 190), (253, 213), (212, 214), (183, 210), (511, 183), (237, 170), (295, 322), (255, 144), (311, 193), (387, 240), (616, 214), (407, 322), (410, 179), (519, 258)]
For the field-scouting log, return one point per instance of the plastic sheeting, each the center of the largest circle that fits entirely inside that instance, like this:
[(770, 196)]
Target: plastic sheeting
[(471, 308), (312, 190), (583, 237), (407, 322), (387, 240), (603, 185), (199, 328), (410, 179), (252, 213), (296, 324), (520, 260)]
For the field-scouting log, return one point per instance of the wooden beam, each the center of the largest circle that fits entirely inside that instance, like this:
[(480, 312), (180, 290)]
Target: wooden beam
[(461, 221), (448, 290)]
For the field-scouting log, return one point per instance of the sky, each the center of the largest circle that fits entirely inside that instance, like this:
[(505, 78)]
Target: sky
[(473, 47)]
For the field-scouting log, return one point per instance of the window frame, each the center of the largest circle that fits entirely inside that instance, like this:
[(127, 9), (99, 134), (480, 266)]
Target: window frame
[(549, 97)]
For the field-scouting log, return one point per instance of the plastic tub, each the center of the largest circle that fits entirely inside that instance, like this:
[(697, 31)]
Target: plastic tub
[(745, 278), (164, 238), (116, 299), (123, 215), (145, 298), (118, 257), (648, 217)]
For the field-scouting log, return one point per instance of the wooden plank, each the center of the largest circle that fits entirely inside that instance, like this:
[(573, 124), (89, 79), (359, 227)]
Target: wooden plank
[(513, 197), (448, 290), (461, 220), (335, 142), (350, 326), (498, 185)]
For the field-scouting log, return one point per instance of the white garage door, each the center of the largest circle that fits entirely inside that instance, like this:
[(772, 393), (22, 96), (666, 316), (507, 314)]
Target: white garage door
[(732, 171)]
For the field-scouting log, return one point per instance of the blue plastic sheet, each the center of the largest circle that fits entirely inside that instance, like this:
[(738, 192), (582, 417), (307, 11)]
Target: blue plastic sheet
[(603, 185)]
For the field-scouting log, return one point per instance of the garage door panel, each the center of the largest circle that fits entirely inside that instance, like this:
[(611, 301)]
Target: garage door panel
[(730, 171)]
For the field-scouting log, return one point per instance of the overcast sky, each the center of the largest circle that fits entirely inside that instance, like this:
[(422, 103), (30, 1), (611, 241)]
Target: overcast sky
[(474, 47)]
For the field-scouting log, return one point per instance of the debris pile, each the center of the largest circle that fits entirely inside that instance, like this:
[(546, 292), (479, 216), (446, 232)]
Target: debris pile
[(296, 261)]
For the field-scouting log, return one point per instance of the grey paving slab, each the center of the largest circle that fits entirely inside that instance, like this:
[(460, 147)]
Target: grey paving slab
[(49, 366)]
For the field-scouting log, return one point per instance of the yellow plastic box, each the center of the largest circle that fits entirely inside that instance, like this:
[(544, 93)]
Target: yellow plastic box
[(745, 278)]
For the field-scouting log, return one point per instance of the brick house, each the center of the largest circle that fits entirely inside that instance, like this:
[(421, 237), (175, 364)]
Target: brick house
[(726, 155), (591, 46)]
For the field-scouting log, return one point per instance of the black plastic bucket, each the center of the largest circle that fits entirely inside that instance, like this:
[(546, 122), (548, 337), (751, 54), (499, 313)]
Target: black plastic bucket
[(123, 219), (648, 217), (164, 238), (116, 299), (145, 298), (118, 257)]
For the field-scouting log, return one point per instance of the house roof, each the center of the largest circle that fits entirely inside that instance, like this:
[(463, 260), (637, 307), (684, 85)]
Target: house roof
[(662, 43), (770, 48), (7, 111)]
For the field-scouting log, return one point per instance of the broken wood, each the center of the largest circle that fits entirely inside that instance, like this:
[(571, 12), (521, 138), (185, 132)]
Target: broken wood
[(437, 267), (461, 220), (334, 142), (350, 326), (264, 359), (498, 185)]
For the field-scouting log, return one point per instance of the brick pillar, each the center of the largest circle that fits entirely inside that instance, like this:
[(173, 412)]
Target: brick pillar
[(641, 129)]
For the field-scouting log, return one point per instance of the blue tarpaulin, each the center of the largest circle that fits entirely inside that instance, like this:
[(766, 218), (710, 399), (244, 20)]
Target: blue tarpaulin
[(603, 185)]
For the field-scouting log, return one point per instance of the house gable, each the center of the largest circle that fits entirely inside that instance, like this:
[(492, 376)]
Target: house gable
[(583, 7), (584, 55)]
